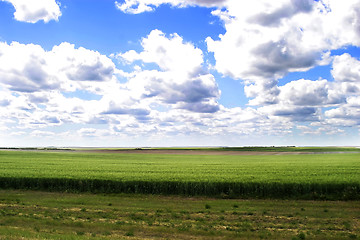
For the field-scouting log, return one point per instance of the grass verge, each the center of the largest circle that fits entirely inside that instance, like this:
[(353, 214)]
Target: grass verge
[(44, 215)]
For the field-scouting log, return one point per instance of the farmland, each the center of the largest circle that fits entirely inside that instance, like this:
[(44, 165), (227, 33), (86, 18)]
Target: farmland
[(310, 176), (180, 193)]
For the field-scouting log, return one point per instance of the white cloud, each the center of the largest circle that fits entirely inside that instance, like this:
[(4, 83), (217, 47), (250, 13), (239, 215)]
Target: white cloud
[(347, 114), (170, 54), (38, 133), (140, 6), (171, 93), (305, 100), (346, 69), (33, 11), (29, 68), (261, 40), (320, 129), (41, 88), (27, 73), (266, 40), (262, 92), (181, 81), (310, 93)]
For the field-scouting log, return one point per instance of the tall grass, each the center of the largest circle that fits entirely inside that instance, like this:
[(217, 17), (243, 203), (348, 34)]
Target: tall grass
[(328, 176), (328, 191)]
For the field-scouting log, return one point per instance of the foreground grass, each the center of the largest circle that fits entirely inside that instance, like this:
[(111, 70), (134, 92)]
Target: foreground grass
[(310, 176), (44, 215)]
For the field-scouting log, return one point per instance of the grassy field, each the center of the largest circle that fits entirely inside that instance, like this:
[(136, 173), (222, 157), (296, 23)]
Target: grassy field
[(176, 196), (310, 176), (44, 215)]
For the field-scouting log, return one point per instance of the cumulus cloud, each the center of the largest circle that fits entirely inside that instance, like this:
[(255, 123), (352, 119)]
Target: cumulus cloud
[(268, 40), (170, 54), (81, 64), (27, 73), (265, 40), (33, 11), (181, 81), (294, 113), (40, 88), (346, 69), (303, 100), (310, 93), (29, 68), (140, 6), (136, 110), (344, 112), (171, 93), (262, 92)]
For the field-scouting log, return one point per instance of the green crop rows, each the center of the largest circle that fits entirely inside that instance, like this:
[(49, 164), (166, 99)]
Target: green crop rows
[(306, 176)]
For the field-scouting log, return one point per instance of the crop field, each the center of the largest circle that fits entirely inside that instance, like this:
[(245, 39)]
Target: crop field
[(297, 176), (237, 193)]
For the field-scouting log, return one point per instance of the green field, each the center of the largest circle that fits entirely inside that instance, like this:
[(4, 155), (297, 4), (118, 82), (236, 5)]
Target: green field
[(44, 215), (172, 196), (305, 176)]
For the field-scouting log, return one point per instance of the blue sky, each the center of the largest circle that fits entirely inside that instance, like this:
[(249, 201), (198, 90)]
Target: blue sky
[(179, 73)]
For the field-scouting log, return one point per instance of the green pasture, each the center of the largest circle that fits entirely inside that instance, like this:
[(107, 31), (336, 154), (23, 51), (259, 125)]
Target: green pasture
[(45, 215), (324, 176)]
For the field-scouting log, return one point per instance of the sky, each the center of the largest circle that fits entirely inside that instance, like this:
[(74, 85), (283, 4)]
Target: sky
[(151, 73)]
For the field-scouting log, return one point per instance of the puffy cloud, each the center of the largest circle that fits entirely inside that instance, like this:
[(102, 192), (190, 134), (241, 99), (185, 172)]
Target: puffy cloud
[(41, 88), (136, 110), (140, 6), (262, 92), (178, 97), (310, 93), (346, 69), (29, 68), (345, 115), (345, 112), (266, 40), (170, 54), (270, 39), (181, 81), (300, 114), (33, 11), (321, 129), (27, 73), (80, 68), (303, 100)]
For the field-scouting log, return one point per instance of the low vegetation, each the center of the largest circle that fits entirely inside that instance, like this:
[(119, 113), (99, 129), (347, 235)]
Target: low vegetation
[(174, 196), (44, 215), (310, 176)]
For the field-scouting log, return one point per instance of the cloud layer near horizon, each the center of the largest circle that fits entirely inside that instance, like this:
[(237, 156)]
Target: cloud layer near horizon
[(167, 93)]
